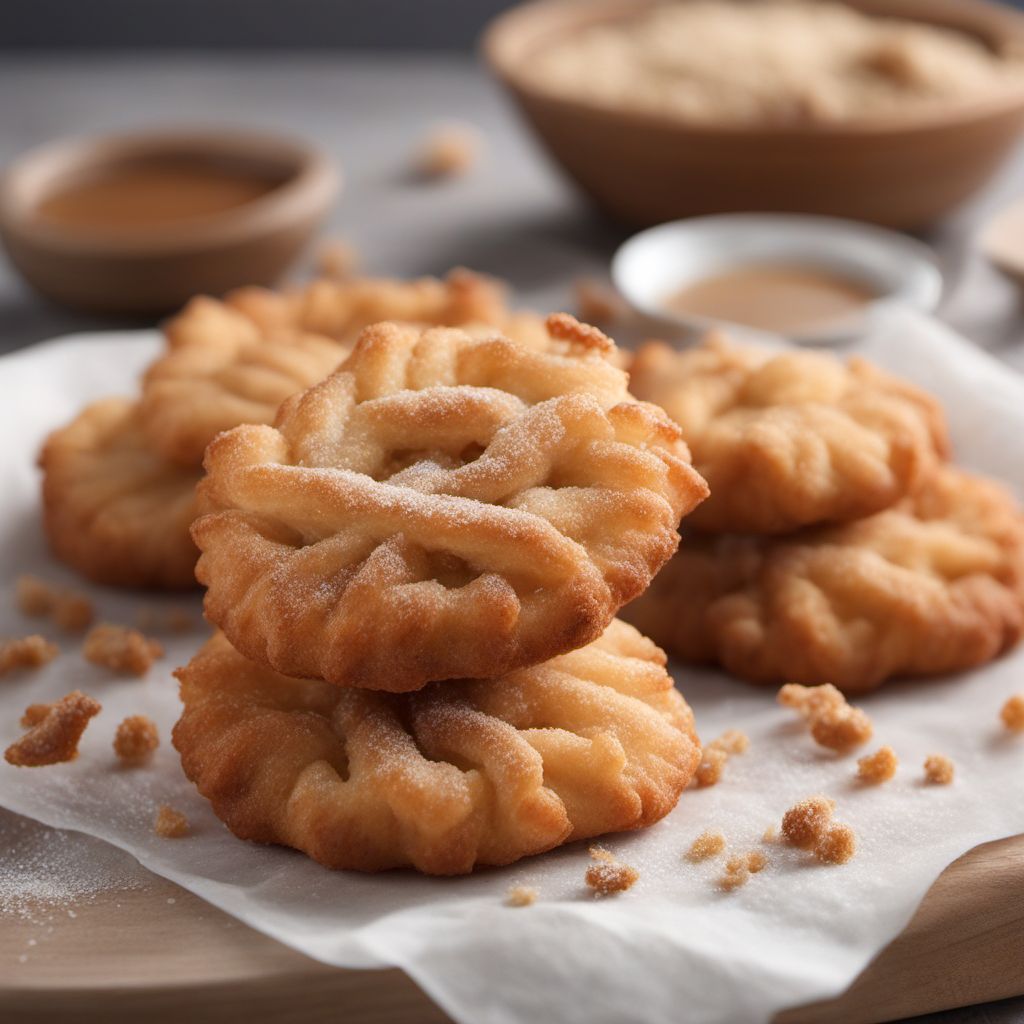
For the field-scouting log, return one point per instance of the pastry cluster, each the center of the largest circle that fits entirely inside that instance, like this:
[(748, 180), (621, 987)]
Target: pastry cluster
[(415, 571), (838, 544)]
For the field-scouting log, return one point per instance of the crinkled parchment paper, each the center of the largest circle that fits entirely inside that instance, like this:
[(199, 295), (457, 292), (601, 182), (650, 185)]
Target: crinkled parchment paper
[(671, 949)]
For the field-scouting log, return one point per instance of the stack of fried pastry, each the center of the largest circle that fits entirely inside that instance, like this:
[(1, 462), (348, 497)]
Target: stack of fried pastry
[(119, 480), (415, 572), (838, 544)]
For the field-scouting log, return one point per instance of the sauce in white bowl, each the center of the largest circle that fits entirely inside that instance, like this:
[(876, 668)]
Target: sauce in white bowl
[(816, 280)]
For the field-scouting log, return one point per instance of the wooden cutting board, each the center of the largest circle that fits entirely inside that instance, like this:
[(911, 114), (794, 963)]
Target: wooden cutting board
[(165, 955)]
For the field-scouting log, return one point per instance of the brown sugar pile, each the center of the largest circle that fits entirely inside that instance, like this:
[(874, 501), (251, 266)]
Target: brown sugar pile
[(874, 769), (716, 754), (448, 151), (607, 876), (55, 736), (938, 770), (121, 649), (1012, 713), (808, 825), (136, 739), (521, 896), (706, 845), (739, 868), (833, 722), (26, 652), (171, 824)]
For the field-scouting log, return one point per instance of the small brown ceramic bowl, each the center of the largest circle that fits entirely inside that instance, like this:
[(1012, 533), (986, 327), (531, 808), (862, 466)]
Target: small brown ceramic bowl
[(152, 271), (644, 169)]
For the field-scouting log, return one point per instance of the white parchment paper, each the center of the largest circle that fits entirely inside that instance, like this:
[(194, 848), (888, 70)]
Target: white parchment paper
[(671, 949)]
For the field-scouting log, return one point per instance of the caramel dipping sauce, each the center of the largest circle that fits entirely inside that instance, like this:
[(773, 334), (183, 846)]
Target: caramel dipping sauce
[(782, 298), (138, 196)]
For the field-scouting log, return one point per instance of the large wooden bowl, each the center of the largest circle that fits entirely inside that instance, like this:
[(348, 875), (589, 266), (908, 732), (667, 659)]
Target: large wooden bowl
[(644, 169)]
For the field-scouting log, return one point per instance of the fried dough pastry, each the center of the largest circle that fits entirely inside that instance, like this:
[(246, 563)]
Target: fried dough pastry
[(791, 439), (932, 586), (234, 361), (445, 506), (114, 510), (459, 774)]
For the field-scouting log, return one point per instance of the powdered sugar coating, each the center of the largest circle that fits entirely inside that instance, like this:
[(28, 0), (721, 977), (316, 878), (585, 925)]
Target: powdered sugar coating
[(446, 505)]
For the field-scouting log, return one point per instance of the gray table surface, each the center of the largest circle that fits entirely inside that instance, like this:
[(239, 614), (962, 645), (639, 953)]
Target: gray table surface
[(514, 216)]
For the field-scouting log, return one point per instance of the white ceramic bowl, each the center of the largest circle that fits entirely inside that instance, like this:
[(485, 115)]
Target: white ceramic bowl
[(658, 262)]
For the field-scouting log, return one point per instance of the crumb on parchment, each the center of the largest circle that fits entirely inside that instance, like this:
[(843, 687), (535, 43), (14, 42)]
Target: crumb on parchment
[(55, 736), (878, 767), (521, 896), (707, 844), (716, 754), (805, 821), (121, 649), (737, 873), (836, 845), (757, 860), (34, 714), (607, 876), (171, 824), (938, 770), (135, 740), (833, 722), (68, 609), (26, 652), (1012, 713)]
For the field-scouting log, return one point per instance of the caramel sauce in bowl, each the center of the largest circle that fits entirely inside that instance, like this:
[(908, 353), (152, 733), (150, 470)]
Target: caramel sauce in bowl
[(139, 224), (816, 280)]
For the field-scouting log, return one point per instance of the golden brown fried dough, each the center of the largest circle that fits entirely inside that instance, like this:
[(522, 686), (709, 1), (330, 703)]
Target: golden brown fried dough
[(459, 774), (791, 439), (113, 509), (445, 506), (934, 585), (234, 361)]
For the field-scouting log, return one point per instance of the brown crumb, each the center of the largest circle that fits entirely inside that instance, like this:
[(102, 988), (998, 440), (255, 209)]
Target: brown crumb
[(337, 259), (521, 896), (938, 769), (448, 151), (836, 845), (33, 596), (878, 767), (833, 722), (136, 739), (737, 873), (757, 860), (171, 824), (34, 714), (26, 652), (596, 302), (805, 821), (712, 764), (55, 737), (607, 876), (73, 612), (121, 649), (770, 835), (68, 609), (732, 741), (707, 844), (1012, 713)]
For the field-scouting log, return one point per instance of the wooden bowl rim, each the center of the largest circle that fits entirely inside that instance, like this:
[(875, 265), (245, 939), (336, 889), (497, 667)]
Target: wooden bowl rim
[(506, 35), (312, 183)]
